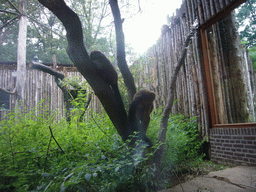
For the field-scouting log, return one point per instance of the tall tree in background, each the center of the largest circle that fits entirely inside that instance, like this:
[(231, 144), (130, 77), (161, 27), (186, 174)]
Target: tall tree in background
[(46, 34), (246, 19)]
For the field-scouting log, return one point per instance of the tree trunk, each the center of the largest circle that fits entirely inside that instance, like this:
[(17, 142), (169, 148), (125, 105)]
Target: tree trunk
[(21, 54), (120, 45)]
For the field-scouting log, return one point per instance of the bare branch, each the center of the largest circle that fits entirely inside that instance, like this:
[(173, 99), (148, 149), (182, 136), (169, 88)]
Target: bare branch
[(8, 92), (9, 22), (120, 44), (168, 107), (56, 140), (46, 69), (79, 56), (14, 7)]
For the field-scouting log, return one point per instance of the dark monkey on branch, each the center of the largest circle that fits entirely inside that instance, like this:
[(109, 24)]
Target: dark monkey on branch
[(107, 72), (139, 115), (140, 107)]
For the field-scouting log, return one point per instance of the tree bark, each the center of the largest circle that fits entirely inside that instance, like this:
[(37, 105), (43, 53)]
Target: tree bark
[(167, 110), (79, 56), (120, 44), (66, 93), (21, 54)]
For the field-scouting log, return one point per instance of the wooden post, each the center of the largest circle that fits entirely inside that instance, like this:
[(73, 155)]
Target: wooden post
[(21, 52)]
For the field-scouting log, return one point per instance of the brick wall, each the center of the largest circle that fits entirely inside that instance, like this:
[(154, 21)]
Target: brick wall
[(236, 145)]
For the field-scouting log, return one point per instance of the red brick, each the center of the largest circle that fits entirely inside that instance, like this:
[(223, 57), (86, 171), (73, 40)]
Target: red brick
[(244, 150), (238, 145), (251, 156), (250, 146), (253, 160), (227, 152), (239, 154), (237, 137), (249, 137), (229, 157), (227, 145)]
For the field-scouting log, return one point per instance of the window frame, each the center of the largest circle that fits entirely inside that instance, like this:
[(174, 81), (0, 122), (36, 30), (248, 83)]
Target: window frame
[(211, 102)]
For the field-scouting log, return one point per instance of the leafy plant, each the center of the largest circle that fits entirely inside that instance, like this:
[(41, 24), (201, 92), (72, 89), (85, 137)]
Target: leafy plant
[(93, 157)]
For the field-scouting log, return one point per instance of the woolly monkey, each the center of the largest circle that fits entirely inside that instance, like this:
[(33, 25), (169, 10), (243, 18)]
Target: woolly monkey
[(139, 114)]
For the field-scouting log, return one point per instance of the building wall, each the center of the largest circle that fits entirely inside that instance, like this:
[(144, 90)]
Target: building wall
[(235, 145)]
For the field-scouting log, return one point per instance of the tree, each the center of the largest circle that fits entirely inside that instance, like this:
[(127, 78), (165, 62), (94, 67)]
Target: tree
[(79, 56), (8, 17), (246, 18), (68, 96), (45, 31)]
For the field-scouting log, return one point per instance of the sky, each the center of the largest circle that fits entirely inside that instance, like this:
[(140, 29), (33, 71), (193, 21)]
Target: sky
[(142, 30)]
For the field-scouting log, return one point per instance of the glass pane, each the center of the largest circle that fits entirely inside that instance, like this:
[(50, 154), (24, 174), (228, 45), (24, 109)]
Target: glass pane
[(232, 56)]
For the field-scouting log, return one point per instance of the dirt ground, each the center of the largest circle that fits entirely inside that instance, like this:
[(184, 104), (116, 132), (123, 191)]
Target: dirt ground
[(236, 179)]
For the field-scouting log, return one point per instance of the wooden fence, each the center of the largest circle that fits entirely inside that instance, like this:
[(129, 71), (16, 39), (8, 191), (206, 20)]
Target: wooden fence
[(157, 67), (40, 87), (159, 61)]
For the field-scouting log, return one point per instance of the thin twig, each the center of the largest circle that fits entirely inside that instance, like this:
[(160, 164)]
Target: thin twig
[(47, 153), (56, 140), (14, 7), (100, 128)]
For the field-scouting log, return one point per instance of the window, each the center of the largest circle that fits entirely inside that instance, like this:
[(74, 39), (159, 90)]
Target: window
[(228, 48)]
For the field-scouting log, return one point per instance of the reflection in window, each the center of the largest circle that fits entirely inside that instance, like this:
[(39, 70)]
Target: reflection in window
[(4, 101), (231, 73)]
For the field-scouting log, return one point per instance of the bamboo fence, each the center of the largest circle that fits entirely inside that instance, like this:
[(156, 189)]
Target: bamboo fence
[(157, 66)]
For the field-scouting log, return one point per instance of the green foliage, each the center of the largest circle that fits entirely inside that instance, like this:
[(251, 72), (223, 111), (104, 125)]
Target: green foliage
[(246, 19), (183, 140), (95, 158), (252, 54)]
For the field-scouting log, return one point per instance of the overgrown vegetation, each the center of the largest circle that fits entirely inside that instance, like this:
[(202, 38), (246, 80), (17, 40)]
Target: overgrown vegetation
[(93, 158)]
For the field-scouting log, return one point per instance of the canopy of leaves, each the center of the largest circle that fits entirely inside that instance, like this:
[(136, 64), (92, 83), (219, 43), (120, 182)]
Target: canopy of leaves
[(246, 18), (46, 34)]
